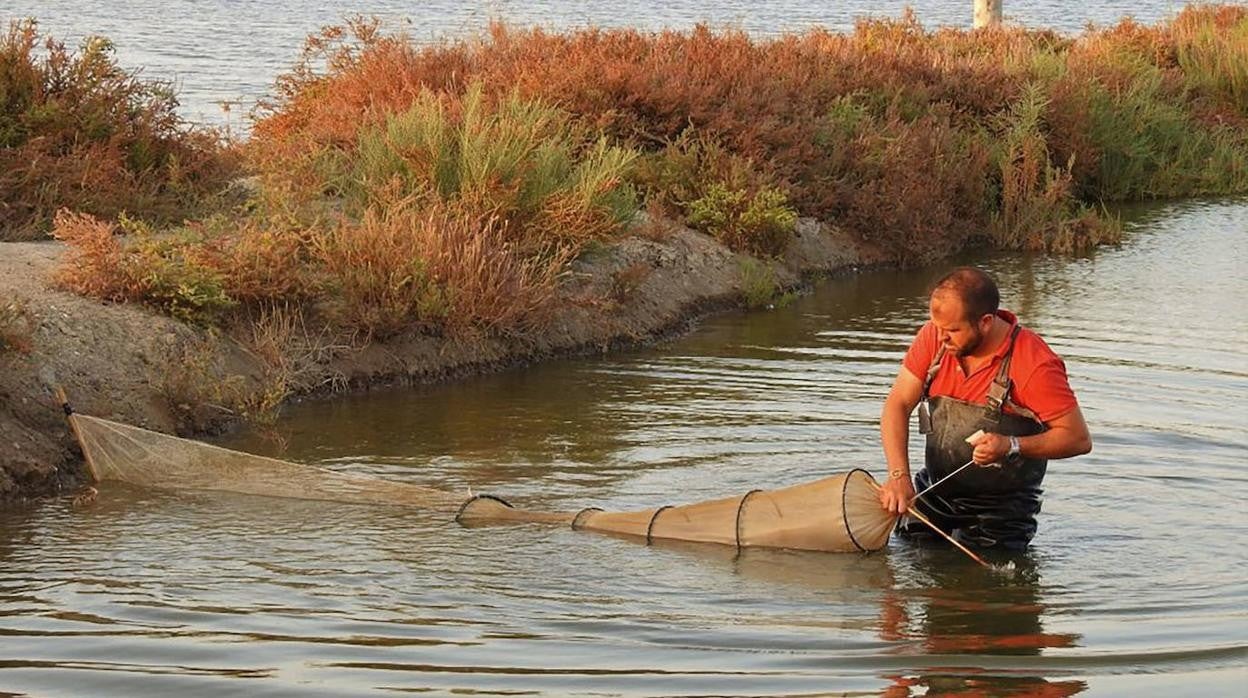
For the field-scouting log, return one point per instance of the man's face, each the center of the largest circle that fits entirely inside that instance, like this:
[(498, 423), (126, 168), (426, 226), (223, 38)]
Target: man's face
[(958, 334)]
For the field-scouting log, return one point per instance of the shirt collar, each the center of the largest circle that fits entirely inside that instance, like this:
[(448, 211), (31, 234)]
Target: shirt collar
[(1005, 344)]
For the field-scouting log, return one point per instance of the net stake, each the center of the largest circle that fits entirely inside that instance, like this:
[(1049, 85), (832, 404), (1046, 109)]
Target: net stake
[(73, 427)]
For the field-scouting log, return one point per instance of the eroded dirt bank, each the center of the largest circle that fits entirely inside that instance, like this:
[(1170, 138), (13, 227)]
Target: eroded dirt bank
[(128, 363)]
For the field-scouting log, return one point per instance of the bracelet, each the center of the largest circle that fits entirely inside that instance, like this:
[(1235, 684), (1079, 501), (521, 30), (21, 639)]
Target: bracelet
[(896, 474)]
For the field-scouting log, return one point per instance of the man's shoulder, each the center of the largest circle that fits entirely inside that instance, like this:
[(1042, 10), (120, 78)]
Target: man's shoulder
[(925, 337), (922, 350), (1031, 354), (1031, 343)]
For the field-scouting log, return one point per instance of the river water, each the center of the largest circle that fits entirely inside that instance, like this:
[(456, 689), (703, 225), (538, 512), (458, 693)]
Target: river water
[(1134, 585), (231, 50)]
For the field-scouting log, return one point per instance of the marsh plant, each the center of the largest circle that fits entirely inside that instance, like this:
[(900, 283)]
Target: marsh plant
[(79, 131), (759, 286)]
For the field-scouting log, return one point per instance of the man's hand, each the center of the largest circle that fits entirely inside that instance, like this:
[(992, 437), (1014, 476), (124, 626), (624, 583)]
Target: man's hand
[(896, 494), (990, 449)]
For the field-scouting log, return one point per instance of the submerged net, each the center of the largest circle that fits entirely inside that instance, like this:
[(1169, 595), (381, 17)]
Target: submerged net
[(840, 513)]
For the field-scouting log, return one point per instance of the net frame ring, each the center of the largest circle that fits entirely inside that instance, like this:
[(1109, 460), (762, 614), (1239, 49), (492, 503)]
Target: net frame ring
[(740, 511), (577, 522), (849, 528), (653, 518), (468, 502)]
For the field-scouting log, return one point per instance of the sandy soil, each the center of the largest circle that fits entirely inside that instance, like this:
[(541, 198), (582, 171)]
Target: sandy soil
[(125, 362)]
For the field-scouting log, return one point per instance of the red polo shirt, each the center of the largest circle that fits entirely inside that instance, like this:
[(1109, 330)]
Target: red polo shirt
[(1038, 374)]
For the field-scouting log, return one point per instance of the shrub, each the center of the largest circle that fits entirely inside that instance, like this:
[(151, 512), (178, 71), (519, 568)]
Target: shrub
[(77, 131), (761, 224), (160, 270), (437, 270), (720, 193), (759, 286)]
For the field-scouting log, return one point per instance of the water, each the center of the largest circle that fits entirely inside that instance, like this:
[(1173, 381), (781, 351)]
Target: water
[(1134, 586), (231, 50)]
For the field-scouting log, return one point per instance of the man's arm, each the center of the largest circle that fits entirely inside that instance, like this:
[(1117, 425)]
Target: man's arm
[(1067, 436), (895, 436)]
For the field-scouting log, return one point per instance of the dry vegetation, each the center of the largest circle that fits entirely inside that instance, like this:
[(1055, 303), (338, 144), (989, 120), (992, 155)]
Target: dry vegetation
[(77, 131), (442, 189)]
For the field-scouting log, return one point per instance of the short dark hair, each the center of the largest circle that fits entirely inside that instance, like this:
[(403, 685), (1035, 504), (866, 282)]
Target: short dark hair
[(974, 287)]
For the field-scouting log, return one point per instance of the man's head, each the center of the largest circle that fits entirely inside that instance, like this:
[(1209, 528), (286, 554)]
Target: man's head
[(963, 304)]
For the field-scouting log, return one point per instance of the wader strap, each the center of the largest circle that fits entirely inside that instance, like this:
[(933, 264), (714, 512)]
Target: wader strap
[(925, 414), (932, 370), (999, 391)]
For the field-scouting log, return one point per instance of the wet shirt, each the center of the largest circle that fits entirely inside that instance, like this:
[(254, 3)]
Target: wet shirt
[(1039, 376)]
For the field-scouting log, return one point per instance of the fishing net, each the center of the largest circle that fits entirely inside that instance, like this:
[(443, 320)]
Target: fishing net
[(841, 513)]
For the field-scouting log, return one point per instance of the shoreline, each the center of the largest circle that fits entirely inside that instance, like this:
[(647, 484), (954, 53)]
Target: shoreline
[(128, 363)]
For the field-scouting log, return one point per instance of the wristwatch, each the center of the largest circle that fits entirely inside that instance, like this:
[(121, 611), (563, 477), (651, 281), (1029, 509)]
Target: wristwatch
[(1016, 449)]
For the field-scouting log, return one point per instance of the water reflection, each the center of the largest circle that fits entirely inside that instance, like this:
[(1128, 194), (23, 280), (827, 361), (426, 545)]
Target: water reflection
[(969, 614), (920, 601), (982, 686)]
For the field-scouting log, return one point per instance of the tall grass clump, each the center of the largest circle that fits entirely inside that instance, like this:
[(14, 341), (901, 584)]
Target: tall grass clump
[(1037, 209), (1210, 46), (78, 131), (521, 161), (1144, 112)]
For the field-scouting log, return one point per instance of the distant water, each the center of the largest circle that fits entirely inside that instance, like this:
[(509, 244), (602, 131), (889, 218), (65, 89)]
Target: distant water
[(231, 50)]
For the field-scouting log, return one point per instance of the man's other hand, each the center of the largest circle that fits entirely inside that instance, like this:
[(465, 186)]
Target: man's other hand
[(896, 494), (991, 449)]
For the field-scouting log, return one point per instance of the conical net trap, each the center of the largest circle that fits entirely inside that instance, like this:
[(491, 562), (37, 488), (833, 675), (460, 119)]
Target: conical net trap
[(841, 513)]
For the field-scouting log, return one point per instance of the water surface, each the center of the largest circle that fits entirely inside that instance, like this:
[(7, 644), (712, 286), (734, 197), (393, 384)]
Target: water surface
[(1134, 585)]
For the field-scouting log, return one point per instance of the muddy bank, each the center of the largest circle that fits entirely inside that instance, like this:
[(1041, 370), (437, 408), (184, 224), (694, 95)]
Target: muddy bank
[(128, 363)]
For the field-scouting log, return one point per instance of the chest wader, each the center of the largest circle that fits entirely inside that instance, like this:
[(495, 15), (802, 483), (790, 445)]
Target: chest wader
[(982, 506)]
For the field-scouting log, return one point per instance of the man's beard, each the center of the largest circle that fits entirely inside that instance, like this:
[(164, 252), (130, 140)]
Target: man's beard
[(970, 346)]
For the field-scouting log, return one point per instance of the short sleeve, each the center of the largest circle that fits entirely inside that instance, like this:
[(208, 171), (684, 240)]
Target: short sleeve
[(1047, 391), (921, 352)]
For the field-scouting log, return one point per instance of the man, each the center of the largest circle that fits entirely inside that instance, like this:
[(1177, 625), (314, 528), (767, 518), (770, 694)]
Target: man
[(972, 367)]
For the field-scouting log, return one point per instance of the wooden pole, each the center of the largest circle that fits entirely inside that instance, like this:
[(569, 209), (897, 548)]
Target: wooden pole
[(987, 13), (915, 513), (73, 426)]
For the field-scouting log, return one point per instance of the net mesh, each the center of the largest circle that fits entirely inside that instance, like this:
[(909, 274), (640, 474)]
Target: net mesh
[(840, 513)]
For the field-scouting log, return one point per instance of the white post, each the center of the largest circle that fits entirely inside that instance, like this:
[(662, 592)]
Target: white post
[(987, 13)]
